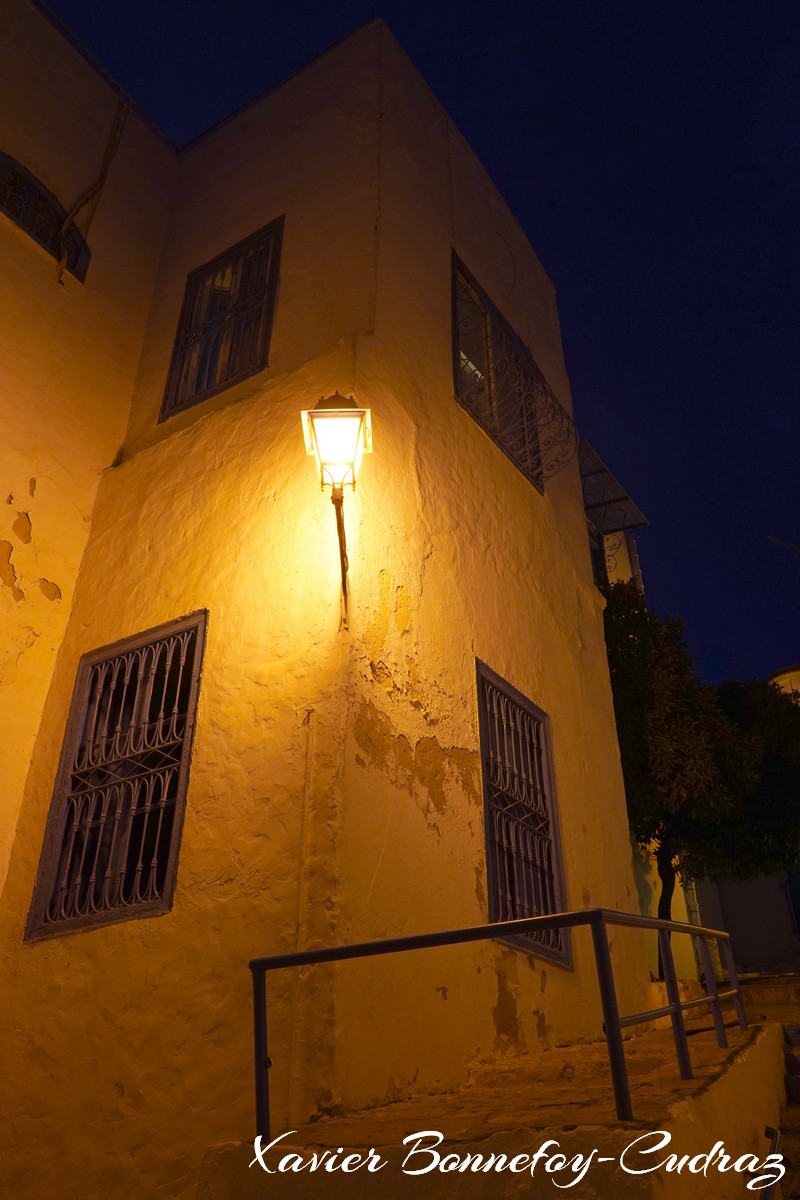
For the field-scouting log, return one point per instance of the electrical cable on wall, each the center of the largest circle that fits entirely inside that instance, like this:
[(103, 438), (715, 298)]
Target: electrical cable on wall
[(92, 195)]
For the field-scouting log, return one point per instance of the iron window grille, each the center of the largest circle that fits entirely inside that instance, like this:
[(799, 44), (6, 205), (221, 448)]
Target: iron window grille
[(226, 320), (111, 845), (498, 382), (36, 211), (523, 854), (597, 551)]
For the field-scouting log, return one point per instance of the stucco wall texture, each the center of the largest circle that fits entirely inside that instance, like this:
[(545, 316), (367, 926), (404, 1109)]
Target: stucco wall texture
[(335, 790), (68, 355)]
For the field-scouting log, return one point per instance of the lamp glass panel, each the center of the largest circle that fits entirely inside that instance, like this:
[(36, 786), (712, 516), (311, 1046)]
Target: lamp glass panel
[(339, 443)]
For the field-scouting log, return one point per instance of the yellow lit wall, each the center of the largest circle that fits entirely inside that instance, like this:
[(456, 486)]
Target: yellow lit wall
[(460, 557), (335, 792), (68, 355), (789, 679)]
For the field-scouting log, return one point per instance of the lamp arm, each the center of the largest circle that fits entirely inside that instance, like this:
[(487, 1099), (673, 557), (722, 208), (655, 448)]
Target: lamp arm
[(337, 499)]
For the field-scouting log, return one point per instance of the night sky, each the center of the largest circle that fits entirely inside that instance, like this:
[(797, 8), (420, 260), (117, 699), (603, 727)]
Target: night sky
[(649, 149)]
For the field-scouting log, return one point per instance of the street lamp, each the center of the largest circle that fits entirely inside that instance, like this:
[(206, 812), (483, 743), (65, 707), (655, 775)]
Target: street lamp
[(338, 433)]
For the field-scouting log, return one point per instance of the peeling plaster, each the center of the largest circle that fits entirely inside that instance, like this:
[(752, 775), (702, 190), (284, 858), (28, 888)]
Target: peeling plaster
[(50, 590), (480, 885), (429, 765), (409, 688), (383, 677), (378, 628), (22, 527), (402, 610), (542, 1028), (382, 749), (414, 690), (508, 1034), (8, 576)]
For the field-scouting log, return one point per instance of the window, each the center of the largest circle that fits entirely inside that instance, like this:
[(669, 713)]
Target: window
[(597, 551), (111, 845), (522, 846), (31, 206), (499, 384), (226, 320)]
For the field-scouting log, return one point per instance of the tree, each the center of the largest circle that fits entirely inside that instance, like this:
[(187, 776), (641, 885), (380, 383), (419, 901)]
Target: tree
[(688, 769), (762, 835)]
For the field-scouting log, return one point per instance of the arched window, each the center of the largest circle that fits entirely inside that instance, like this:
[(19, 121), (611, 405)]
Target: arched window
[(31, 206)]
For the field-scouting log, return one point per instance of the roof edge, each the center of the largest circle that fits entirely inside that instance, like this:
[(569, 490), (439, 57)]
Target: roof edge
[(378, 22), (66, 33)]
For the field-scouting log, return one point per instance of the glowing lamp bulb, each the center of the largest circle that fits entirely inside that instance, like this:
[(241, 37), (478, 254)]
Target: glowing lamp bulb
[(338, 433)]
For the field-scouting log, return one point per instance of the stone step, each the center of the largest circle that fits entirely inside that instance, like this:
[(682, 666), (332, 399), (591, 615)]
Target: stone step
[(790, 1148), (515, 1106), (782, 990), (790, 1185)]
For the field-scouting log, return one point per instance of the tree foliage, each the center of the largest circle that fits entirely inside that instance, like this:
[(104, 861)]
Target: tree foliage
[(688, 769), (762, 833)]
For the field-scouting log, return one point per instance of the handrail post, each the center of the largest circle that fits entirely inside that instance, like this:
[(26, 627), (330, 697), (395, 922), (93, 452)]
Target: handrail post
[(730, 967), (613, 1030), (262, 1062), (713, 990), (775, 1146), (674, 998)]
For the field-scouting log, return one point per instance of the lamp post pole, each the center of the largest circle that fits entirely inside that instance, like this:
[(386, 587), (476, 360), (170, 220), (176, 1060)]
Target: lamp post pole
[(337, 500), (337, 432)]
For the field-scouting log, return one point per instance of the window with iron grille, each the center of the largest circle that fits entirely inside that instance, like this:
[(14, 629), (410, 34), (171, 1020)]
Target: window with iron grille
[(523, 854), (35, 209), (226, 320), (498, 382), (111, 845)]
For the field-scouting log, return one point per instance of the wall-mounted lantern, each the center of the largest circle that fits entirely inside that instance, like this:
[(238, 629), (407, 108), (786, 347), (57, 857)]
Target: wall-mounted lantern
[(338, 433)]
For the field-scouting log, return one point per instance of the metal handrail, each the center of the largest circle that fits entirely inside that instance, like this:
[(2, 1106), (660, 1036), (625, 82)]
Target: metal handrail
[(598, 919)]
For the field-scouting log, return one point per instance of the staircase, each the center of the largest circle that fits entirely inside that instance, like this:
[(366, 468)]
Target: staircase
[(778, 999), (517, 1104), (790, 1114)]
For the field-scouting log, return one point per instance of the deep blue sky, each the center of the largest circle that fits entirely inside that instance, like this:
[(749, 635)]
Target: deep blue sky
[(649, 149)]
